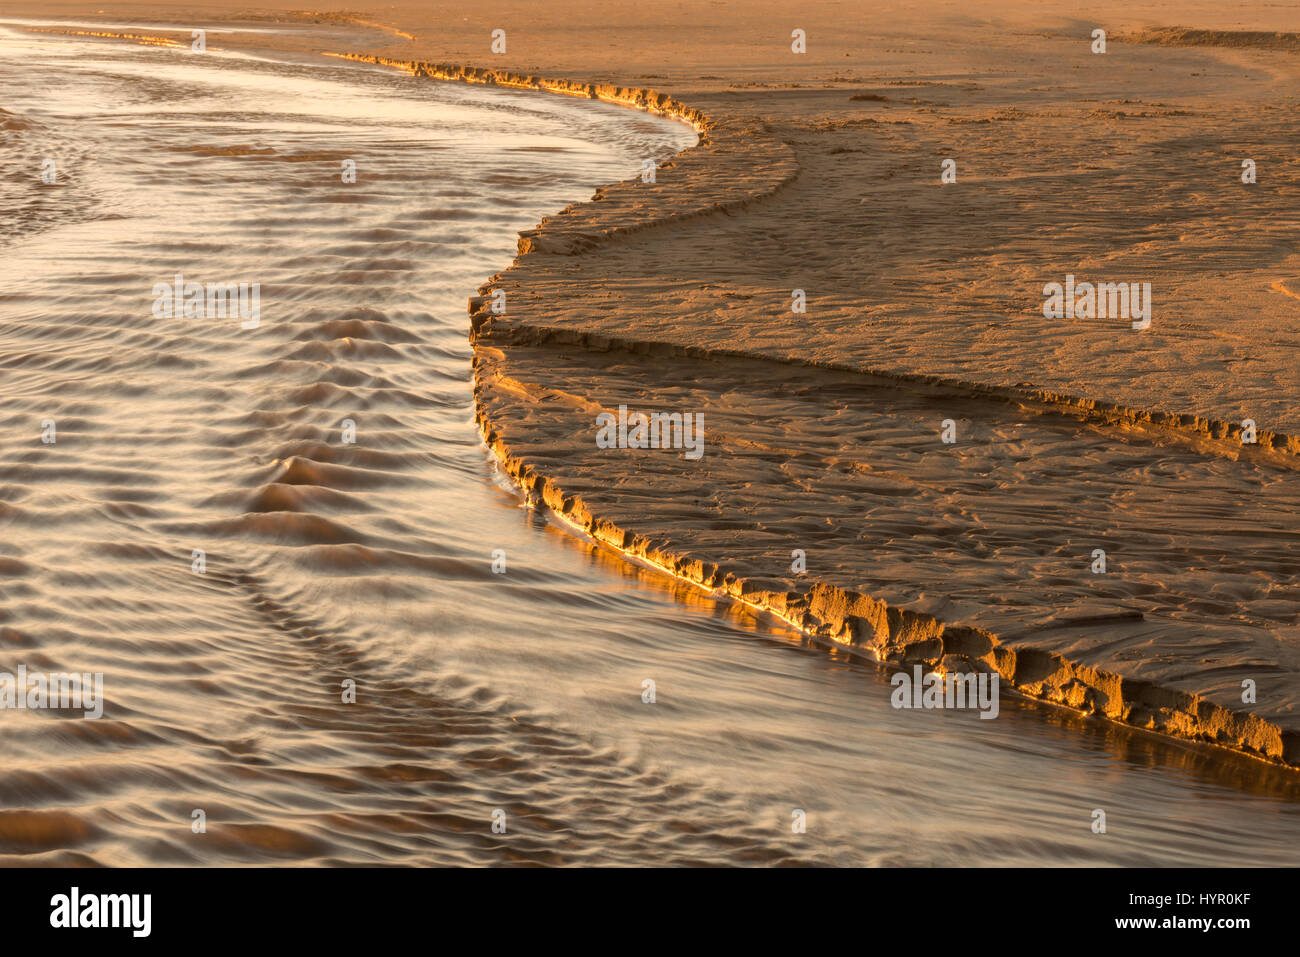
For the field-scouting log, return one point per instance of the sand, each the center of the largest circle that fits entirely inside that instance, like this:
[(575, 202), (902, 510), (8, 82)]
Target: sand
[(821, 172)]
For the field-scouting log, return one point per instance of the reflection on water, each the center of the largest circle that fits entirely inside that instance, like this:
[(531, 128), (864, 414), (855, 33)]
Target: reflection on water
[(326, 561)]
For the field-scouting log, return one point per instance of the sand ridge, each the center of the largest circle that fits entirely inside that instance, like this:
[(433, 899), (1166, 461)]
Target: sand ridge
[(1150, 653), (1173, 664), (975, 557), (824, 175)]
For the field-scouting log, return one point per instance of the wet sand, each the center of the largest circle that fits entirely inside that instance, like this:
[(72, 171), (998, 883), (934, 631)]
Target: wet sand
[(1070, 435), (821, 172), (923, 305)]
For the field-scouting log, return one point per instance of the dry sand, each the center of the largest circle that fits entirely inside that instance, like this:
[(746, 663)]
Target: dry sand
[(821, 172)]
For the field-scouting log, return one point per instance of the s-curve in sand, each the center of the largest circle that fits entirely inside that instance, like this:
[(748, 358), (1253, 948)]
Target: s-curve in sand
[(1027, 313), (972, 343)]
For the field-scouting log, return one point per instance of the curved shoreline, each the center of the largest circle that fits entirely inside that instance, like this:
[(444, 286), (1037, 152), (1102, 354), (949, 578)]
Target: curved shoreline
[(580, 226), (892, 634), (901, 636)]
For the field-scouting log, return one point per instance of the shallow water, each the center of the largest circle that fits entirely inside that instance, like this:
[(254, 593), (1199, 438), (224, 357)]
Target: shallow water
[(372, 562)]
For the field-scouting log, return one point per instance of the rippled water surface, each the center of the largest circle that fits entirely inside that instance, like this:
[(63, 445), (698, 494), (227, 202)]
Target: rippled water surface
[(328, 561)]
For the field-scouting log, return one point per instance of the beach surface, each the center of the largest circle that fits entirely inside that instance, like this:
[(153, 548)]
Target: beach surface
[(821, 172)]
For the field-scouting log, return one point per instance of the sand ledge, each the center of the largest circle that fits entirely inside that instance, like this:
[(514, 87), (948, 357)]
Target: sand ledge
[(901, 636), (892, 634)]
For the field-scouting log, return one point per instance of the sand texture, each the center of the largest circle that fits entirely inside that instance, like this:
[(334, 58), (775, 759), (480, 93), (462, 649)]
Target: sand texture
[(1073, 435), (821, 172)]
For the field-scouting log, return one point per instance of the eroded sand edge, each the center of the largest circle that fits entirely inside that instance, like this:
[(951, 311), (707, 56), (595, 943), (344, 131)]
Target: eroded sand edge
[(703, 181)]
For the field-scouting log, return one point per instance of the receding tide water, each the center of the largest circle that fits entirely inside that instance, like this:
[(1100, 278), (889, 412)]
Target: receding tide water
[(325, 562)]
